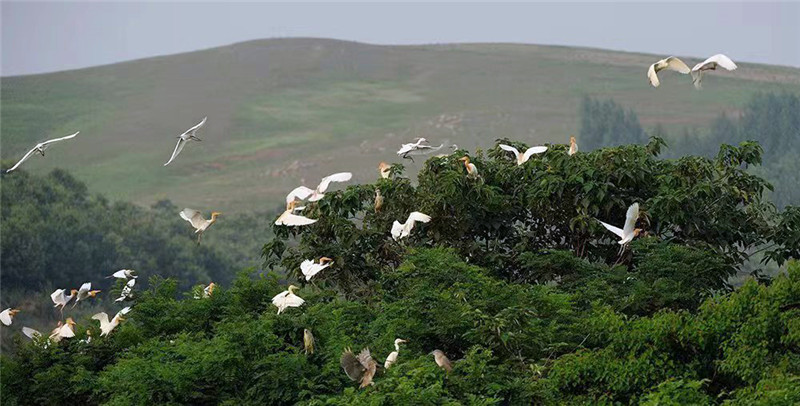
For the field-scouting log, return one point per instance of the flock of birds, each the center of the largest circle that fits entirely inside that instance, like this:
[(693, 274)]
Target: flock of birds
[(361, 367)]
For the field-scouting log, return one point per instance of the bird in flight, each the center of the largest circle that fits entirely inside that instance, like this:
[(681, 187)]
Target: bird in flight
[(359, 368), (402, 230), (184, 138), (40, 147), (711, 64), (522, 157), (671, 63), (200, 224)]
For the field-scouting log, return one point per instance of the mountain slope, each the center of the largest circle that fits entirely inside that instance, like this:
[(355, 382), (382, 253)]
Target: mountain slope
[(289, 110)]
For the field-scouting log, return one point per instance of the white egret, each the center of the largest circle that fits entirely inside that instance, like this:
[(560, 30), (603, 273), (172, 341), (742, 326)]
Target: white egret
[(627, 233), (472, 170), (287, 299), (573, 146), (310, 268), (106, 326), (288, 218), (63, 330), (7, 316), (378, 200), (521, 157), (441, 360), (308, 341), (40, 147), (711, 64), (403, 230), (385, 170), (61, 299), (124, 274), (671, 63), (127, 291), (184, 138), (392, 358), (31, 333), (209, 290), (85, 292), (359, 368), (200, 224), (420, 147)]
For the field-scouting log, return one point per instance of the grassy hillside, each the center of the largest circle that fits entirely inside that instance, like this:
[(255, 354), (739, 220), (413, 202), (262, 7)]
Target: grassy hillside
[(290, 110)]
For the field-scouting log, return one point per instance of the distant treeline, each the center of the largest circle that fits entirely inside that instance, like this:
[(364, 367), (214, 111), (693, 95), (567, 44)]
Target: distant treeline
[(773, 120)]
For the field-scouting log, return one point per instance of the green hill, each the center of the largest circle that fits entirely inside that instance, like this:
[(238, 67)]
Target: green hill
[(289, 110)]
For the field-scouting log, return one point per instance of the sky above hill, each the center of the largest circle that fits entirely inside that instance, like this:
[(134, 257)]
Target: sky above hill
[(42, 37)]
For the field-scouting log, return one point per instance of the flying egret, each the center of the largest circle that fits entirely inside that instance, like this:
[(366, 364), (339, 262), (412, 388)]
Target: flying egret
[(627, 233), (288, 218), (200, 224), (63, 330), (317, 194), (378, 200), (472, 170), (407, 151), (392, 358), (85, 292), (40, 147), (127, 291), (573, 146), (359, 368), (710, 64), (385, 170), (441, 360), (287, 299), (308, 341), (60, 299), (107, 326), (521, 157), (7, 316), (309, 268), (671, 63), (403, 230), (124, 274), (184, 138)]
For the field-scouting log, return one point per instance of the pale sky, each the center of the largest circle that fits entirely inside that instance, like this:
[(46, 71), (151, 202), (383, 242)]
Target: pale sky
[(51, 36)]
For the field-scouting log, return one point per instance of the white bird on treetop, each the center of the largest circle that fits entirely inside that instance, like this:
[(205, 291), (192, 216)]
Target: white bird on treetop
[(184, 138), (288, 218), (671, 63), (287, 299), (392, 358), (403, 230), (40, 147), (710, 64), (63, 330), (523, 157), (573, 146), (106, 326)]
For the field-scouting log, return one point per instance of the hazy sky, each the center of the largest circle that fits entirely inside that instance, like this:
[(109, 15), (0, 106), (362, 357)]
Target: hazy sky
[(49, 36)]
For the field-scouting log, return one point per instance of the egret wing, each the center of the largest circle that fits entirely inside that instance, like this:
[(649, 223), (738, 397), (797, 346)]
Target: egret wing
[(336, 177), (532, 151), (57, 296), (616, 230), (724, 61), (194, 217), (24, 158), (418, 217), (677, 65), (31, 333), (196, 127), (351, 365), (509, 148), (5, 317), (60, 139), (630, 219), (652, 76), (300, 192), (397, 229), (289, 219), (425, 150), (177, 150), (85, 288), (102, 317)]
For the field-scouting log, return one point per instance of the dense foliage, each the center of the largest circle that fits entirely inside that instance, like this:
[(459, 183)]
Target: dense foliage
[(513, 279)]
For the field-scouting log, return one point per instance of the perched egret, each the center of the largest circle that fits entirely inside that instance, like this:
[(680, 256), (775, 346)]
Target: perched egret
[(711, 64), (288, 218), (184, 138), (63, 330), (403, 230), (85, 292), (127, 291), (627, 233), (385, 170), (671, 63), (521, 157), (60, 299), (107, 326), (472, 170), (573, 146), (195, 218), (392, 358), (40, 147), (309, 268), (378, 200), (359, 368), (308, 341), (124, 274), (31, 333), (287, 299), (441, 360), (7, 316), (209, 290)]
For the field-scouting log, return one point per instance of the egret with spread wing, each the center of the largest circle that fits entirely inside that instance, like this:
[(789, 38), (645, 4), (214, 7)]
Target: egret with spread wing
[(7, 316), (187, 136), (628, 232), (200, 224), (671, 63), (521, 157), (403, 230), (39, 148), (287, 299), (85, 292), (310, 268), (711, 64)]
